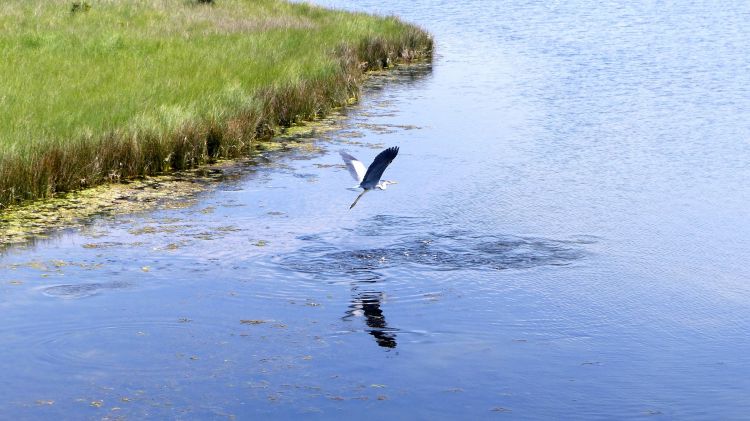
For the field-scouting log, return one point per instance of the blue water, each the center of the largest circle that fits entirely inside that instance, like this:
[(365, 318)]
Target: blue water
[(568, 240)]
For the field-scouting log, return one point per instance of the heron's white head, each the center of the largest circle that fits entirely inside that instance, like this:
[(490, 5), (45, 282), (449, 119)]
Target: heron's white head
[(384, 184)]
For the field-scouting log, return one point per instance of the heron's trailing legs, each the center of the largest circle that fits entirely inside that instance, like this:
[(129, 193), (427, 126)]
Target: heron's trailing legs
[(358, 197)]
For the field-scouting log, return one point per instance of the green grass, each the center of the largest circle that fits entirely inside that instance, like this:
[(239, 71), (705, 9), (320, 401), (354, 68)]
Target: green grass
[(130, 88)]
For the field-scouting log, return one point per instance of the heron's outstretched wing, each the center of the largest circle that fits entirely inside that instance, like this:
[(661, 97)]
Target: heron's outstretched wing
[(355, 167), (378, 166)]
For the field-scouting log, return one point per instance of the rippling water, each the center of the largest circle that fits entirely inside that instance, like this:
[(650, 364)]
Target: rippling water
[(568, 239)]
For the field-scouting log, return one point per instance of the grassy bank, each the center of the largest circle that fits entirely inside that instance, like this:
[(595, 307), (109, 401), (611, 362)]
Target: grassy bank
[(124, 89)]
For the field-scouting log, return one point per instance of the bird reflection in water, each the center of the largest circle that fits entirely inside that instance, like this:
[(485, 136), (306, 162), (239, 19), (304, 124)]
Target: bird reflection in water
[(368, 304)]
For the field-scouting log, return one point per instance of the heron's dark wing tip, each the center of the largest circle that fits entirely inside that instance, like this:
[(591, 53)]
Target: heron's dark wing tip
[(388, 154), (378, 166)]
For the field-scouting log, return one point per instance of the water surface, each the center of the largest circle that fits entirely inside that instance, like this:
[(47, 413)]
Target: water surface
[(568, 239)]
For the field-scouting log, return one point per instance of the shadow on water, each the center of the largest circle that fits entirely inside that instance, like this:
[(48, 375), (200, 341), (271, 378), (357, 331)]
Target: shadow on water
[(368, 304)]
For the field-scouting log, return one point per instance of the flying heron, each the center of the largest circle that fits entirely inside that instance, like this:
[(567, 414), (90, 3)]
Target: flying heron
[(370, 179)]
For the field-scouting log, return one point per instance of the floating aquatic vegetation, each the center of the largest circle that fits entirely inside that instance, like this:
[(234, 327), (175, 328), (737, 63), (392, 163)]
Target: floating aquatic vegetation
[(253, 321)]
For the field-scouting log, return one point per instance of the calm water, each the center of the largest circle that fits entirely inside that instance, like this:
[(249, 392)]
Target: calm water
[(569, 238)]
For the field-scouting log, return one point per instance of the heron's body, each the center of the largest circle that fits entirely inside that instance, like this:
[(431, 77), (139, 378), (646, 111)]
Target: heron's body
[(370, 179)]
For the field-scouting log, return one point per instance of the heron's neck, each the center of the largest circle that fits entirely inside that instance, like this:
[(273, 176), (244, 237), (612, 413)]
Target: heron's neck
[(383, 184)]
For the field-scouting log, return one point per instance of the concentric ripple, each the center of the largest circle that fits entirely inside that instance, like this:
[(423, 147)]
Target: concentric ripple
[(110, 345), (453, 250), (76, 291)]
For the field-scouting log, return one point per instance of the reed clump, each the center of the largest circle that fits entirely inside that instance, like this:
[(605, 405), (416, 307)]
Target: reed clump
[(130, 89)]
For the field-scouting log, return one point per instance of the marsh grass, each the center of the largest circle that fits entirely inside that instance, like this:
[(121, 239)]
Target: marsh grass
[(129, 89)]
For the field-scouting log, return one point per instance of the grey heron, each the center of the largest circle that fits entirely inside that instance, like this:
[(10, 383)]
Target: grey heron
[(370, 179)]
